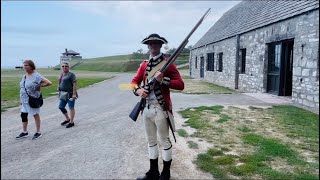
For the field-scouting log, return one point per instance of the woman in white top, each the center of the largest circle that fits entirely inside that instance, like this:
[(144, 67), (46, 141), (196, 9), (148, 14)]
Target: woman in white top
[(30, 85)]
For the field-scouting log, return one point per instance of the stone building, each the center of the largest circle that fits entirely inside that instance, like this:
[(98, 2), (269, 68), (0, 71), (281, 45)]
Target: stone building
[(263, 46), (69, 55)]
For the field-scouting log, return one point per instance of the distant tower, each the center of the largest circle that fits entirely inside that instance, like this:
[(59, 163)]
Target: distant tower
[(69, 55)]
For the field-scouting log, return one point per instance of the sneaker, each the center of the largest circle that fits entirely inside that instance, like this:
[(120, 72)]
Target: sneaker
[(22, 135), (70, 125), (65, 122), (36, 135)]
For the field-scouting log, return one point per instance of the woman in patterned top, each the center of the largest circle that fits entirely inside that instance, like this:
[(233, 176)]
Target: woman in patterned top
[(31, 82)]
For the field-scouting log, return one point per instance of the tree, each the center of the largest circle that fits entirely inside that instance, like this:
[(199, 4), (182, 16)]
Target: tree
[(170, 51), (138, 54), (184, 51), (140, 51)]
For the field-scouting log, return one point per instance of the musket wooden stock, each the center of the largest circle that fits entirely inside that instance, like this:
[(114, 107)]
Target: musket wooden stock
[(136, 110)]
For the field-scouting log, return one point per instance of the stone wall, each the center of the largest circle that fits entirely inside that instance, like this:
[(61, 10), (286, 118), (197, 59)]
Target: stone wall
[(227, 76)]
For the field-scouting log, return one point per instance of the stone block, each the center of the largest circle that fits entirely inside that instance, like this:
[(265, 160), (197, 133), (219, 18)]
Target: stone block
[(310, 104), (294, 78), (309, 86), (306, 102), (303, 62), (310, 98), (311, 64), (314, 73), (305, 72), (312, 35), (297, 71)]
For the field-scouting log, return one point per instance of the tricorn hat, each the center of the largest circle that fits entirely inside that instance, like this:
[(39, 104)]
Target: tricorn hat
[(154, 37)]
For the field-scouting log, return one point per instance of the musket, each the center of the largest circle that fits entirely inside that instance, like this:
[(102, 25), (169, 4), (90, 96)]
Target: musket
[(176, 53), (138, 107)]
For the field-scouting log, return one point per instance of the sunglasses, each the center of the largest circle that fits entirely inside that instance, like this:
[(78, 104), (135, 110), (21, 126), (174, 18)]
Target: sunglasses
[(64, 66)]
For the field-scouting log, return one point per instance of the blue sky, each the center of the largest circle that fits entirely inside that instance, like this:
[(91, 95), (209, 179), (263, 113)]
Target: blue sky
[(41, 30)]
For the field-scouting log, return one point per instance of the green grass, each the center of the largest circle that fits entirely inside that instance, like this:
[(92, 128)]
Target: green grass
[(10, 90), (182, 133), (110, 66), (215, 152), (244, 129), (271, 174), (224, 160), (184, 68), (223, 118), (185, 77), (268, 147), (193, 86), (220, 165), (192, 145), (297, 121), (263, 149), (109, 58), (243, 170), (206, 163), (194, 116), (119, 63)]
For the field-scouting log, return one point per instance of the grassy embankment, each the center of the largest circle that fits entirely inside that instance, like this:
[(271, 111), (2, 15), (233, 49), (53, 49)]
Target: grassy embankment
[(120, 63)]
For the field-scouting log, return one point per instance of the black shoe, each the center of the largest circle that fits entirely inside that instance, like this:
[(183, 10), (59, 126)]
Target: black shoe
[(36, 136), (150, 175), (165, 175), (65, 122), (70, 125), (22, 135)]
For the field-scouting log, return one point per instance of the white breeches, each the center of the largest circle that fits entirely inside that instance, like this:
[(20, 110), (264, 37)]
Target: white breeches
[(156, 125)]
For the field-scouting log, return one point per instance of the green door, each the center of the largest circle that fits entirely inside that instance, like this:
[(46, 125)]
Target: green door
[(274, 65)]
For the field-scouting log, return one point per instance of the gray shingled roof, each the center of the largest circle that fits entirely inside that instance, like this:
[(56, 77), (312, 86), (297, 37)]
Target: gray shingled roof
[(252, 14), (71, 52)]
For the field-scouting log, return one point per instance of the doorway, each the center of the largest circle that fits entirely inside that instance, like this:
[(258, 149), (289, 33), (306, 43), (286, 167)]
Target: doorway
[(279, 78), (202, 67)]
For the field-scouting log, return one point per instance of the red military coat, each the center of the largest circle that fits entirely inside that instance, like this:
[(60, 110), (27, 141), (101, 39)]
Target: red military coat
[(172, 72)]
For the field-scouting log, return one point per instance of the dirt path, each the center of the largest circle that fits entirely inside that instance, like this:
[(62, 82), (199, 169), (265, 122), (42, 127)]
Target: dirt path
[(104, 144)]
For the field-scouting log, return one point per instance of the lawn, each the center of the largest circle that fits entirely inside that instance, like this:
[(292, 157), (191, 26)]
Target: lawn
[(193, 86), (278, 142)]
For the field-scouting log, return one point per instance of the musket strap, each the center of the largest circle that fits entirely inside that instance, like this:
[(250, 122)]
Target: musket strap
[(171, 125), (174, 137)]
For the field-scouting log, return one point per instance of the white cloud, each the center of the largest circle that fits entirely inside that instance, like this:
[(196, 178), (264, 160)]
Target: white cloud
[(171, 19)]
